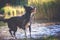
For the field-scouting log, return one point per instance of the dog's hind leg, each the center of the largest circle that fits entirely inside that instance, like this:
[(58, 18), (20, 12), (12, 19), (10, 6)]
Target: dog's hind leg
[(10, 31), (14, 31)]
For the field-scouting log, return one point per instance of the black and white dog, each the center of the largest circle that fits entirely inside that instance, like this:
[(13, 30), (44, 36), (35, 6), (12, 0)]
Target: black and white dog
[(20, 21)]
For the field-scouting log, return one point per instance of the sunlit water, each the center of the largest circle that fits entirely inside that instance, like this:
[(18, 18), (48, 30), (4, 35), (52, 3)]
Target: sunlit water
[(40, 30)]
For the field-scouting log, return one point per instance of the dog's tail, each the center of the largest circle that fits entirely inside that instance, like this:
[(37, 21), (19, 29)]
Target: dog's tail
[(4, 20)]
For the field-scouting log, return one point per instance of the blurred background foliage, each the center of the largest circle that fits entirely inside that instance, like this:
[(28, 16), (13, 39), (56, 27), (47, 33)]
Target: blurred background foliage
[(46, 9)]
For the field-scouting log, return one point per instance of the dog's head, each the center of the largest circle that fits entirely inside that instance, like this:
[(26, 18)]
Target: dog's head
[(30, 9)]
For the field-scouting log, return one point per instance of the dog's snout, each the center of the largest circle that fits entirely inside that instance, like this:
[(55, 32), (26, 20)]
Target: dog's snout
[(34, 10)]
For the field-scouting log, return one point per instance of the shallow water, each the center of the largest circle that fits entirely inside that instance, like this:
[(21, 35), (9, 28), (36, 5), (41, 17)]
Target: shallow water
[(40, 30)]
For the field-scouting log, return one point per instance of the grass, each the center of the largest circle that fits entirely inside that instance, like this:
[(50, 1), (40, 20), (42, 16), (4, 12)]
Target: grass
[(48, 38), (43, 38)]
